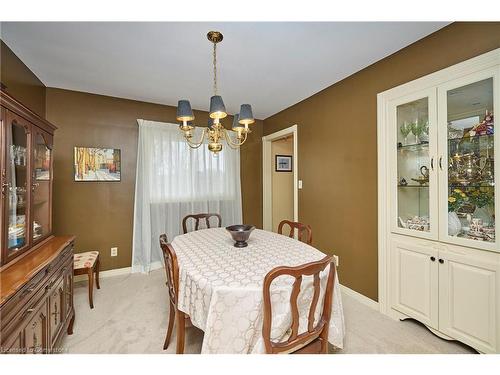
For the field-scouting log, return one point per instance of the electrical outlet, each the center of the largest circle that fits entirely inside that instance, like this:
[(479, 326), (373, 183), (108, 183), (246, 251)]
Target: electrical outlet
[(336, 257), (114, 251), (300, 184)]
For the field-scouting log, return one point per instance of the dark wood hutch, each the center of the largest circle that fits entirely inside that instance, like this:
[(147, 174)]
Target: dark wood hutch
[(36, 268)]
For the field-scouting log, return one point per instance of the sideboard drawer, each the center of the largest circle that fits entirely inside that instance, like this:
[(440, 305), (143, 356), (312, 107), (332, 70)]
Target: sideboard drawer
[(65, 256), (14, 319), (12, 306)]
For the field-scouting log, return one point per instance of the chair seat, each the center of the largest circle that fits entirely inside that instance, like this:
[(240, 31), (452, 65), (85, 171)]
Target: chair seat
[(85, 260)]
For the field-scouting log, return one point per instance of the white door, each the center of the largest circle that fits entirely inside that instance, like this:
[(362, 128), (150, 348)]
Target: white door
[(468, 171), (467, 305), (414, 280), (412, 151)]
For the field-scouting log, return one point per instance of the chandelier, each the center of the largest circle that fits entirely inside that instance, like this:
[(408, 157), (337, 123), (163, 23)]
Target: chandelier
[(215, 131)]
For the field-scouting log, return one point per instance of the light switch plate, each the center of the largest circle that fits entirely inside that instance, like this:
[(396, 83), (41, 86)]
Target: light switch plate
[(300, 184), (336, 257), (114, 251)]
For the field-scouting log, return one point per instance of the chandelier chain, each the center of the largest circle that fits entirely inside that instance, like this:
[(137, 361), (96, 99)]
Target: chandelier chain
[(215, 68)]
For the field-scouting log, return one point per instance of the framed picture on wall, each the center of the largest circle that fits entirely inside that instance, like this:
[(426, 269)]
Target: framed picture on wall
[(97, 164), (283, 163)]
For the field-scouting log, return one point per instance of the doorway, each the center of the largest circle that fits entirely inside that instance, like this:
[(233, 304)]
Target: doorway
[(280, 177)]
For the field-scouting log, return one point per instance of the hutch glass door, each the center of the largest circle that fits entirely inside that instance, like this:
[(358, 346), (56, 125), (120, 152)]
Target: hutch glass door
[(469, 168), (415, 180), (16, 188), (41, 186)]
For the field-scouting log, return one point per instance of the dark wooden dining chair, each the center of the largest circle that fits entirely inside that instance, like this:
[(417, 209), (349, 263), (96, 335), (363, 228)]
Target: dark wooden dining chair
[(172, 271), (301, 228), (315, 339), (197, 218)]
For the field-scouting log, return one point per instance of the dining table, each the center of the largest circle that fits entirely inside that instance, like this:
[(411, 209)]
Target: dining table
[(220, 288)]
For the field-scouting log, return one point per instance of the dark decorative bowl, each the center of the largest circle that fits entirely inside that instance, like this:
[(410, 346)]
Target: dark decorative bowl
[(240, 234)]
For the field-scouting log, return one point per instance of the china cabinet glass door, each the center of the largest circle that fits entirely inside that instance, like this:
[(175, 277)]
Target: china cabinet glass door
[(15, 187), (41, 185), (413, 169), (467, 160)]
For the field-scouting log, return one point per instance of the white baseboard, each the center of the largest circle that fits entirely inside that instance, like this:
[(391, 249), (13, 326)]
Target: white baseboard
[(153, 266), (121, 271), (104, 274), (359, 297)]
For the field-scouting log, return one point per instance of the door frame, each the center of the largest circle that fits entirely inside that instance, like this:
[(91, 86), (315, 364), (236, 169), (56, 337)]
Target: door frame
[(267, 193)]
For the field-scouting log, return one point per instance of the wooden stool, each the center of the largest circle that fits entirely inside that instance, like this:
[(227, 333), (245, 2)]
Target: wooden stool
[(88, 263)]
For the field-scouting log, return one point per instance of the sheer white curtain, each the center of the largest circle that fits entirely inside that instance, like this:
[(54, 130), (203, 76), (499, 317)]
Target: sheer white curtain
[(174, 180)]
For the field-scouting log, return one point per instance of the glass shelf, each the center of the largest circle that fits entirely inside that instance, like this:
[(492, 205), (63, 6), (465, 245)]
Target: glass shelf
[(414, 146), (413, 186), (473, 138), (471, 186)]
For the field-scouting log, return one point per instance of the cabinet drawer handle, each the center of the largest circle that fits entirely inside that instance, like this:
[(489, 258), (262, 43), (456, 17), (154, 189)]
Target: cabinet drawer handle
[(23, 315), (26, 291), (49, 285), (441, 261), (432, 163), (433, 259), (441, 162)]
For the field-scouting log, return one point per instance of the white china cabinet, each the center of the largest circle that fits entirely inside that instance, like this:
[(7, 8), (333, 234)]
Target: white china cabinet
[(439, 202)]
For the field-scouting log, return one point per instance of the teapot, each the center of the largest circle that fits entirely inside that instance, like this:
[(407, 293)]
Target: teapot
[(471, 169)]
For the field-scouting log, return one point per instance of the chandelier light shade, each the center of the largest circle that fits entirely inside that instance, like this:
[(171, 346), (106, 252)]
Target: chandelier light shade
[(214, 133), (217, 107), (236, 123), (246, 115), (184, 111)]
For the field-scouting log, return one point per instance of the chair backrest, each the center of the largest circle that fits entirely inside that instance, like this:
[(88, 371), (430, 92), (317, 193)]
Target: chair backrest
[(198, 217), (295, 341), (301, 228), (171, 268)]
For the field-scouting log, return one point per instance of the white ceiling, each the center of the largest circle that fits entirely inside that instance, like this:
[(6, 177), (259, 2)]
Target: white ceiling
[(269, 65)]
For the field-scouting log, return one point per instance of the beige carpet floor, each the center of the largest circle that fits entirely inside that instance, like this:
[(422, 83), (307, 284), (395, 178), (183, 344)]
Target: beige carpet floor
[(131, 312)]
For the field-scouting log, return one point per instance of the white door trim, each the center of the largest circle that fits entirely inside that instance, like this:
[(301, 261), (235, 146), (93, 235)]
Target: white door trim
[(267, 219)]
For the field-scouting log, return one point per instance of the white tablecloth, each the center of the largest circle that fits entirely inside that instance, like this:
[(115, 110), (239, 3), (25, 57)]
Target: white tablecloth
[(220, 288)]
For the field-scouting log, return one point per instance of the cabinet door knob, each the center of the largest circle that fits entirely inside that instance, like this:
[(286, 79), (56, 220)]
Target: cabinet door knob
[(441, 261), (433, 259)]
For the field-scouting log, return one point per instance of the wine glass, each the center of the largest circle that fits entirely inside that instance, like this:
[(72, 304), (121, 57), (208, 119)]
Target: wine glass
[(426, 128), (405, 130), (416, 129)]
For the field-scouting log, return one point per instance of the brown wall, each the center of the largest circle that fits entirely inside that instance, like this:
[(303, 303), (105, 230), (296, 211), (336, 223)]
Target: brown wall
[(101, 214), (337, 142), (21, 82), (251, 176)]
